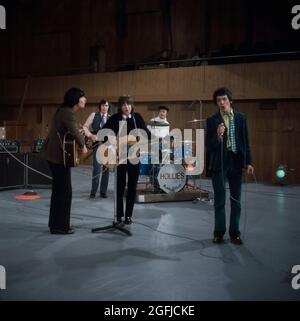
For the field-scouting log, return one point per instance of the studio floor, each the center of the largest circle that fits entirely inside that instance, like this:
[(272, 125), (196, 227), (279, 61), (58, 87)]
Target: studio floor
[(170, 255)]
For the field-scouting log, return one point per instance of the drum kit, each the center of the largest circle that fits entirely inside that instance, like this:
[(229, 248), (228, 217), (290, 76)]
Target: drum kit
[(167, 176), (163, 177)]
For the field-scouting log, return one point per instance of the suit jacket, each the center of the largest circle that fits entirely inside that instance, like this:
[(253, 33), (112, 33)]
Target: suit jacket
[(213, 145), (113, 123), (63, 121)]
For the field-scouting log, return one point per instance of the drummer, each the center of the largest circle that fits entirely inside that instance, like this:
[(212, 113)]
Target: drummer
[(158, 125)]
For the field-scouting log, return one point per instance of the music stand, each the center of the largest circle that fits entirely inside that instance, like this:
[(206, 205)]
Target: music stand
[(115, 224)]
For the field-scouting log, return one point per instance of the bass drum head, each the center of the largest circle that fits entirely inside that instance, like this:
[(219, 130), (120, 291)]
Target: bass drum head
[(171, 178)]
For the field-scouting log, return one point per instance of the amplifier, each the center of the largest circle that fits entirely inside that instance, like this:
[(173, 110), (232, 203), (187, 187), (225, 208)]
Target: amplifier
[(12, 146), (12, 171), (35, 179), (37, 145)]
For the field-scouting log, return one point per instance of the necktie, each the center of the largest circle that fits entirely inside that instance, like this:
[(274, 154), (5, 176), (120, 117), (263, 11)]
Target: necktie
[(102, 123), (232, 134)]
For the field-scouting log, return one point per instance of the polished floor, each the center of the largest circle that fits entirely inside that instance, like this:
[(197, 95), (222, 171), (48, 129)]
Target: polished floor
[(169, 256)]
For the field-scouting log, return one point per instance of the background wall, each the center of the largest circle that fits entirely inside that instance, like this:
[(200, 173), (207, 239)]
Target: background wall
[(66, 36), (81, 39)]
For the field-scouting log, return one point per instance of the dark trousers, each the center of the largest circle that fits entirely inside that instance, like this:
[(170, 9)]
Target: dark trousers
[(61, 197), (133, 174), (232, 171), (96, 176)]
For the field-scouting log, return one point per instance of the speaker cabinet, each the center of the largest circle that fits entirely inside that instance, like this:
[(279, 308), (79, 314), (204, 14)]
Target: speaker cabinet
[(12, 172), (35, 179)]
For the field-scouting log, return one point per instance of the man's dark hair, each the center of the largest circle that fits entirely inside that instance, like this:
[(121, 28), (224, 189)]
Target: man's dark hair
[(72, 96), (222, 92), (103, 102), (163, 107), (125, 99)]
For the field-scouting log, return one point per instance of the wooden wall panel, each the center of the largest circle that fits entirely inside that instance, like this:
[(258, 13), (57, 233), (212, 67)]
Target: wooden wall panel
[(157, 80), (273, 80), (286, 134), (187, 80), (231, 76), (117, 84)]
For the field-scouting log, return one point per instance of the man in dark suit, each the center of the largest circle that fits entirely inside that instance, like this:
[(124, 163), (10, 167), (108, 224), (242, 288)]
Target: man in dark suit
[(64, 120), (93, 124), (227, 143), (133, 121)]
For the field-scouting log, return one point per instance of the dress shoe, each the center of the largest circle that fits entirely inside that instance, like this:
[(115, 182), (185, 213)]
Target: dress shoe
[(128, 220), (236, 240), (119, 220), (103, 195), (218, 239), (62, 232), (92, 195)]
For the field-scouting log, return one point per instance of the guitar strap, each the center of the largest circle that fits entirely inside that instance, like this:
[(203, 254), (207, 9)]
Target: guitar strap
[(134, 121), (59, 138)]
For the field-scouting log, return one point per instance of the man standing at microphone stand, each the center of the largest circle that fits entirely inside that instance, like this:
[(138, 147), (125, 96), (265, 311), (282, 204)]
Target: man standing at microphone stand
[(227, 143), (124, 168)]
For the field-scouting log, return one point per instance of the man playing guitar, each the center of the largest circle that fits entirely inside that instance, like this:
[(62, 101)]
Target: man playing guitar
[(134, 121), (64, 122), (93, 124)]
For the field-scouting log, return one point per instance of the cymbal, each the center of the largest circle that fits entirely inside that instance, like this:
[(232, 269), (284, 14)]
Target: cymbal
[(195, 120), (155, 123)]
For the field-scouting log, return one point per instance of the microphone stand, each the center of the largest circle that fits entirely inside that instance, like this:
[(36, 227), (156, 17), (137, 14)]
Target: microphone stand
[(199, 198), (115, 224)]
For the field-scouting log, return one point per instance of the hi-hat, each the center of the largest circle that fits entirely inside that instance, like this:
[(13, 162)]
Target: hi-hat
[(195, 120), (155, 123)]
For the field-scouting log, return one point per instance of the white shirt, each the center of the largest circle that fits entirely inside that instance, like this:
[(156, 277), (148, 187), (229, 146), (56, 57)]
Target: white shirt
[(126, 116), (159, 131)]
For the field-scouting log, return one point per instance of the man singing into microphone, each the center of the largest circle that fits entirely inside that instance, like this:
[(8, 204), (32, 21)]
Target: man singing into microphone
[(227, 143)]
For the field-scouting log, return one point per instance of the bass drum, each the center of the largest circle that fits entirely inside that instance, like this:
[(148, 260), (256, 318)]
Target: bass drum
[(171, 178), (145, 164)]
